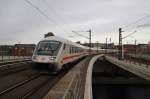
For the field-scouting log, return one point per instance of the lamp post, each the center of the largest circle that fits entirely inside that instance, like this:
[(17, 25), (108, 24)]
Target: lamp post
[(89, 41), (97, 46), (106, 46), (120, 47), (122, 51), (135, 46)]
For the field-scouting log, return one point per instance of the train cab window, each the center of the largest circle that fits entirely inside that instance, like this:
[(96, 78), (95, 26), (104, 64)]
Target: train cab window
[(48, 48)]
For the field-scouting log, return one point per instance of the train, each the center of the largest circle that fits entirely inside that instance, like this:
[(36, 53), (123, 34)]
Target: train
[(56, 52)]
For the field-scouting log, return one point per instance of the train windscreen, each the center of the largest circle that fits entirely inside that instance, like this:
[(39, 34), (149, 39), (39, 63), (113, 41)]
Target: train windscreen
[(50, 48)]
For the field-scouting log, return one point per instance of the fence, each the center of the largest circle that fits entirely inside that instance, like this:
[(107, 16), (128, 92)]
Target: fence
[(134, 59), (10, 53)]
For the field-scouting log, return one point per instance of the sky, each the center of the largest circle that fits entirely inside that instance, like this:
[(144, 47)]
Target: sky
[(26, 21)]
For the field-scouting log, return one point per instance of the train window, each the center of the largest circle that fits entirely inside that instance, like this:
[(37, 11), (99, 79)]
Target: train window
[(76, 50), (64, 46), (70, 49), (73, 49)]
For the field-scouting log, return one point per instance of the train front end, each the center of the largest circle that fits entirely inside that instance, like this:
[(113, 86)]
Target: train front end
[(46, 55)]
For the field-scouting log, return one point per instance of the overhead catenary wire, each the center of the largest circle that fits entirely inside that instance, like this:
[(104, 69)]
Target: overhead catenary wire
[(53, 10), (143, 25), (59, 16), (129, 35), (132, 23), (80, 34), (45, 15)]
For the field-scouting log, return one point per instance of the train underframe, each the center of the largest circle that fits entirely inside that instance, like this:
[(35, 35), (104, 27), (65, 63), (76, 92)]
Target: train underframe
[(46, 67)]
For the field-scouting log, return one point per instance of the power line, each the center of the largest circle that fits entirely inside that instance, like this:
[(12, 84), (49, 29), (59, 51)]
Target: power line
[(143, 25), (132, 23), (80, 34), (53, 10), (56, 13), (46, 16), (129, 35)]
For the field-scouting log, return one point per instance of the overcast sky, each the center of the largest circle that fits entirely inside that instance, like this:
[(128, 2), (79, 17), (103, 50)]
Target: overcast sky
[(22, 23)]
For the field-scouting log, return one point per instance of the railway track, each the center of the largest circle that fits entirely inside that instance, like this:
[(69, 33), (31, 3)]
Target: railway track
[(14, 79), (14, 68), (17, 85), (13, 62), (25, 88), (33, 87)]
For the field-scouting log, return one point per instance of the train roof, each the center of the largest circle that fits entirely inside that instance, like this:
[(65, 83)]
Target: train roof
[(60, 39), (56, 38)]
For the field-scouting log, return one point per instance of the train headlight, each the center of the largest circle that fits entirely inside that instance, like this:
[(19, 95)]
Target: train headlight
[(52, 58)]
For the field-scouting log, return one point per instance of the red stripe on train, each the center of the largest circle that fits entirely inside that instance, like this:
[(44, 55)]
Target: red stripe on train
[(72, 56), (68, 57)]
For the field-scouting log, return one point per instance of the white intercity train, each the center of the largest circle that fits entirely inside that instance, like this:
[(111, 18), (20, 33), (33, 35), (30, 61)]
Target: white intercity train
[(55, 52)]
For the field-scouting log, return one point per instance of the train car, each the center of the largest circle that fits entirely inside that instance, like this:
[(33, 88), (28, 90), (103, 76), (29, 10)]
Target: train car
[(55, 52)]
